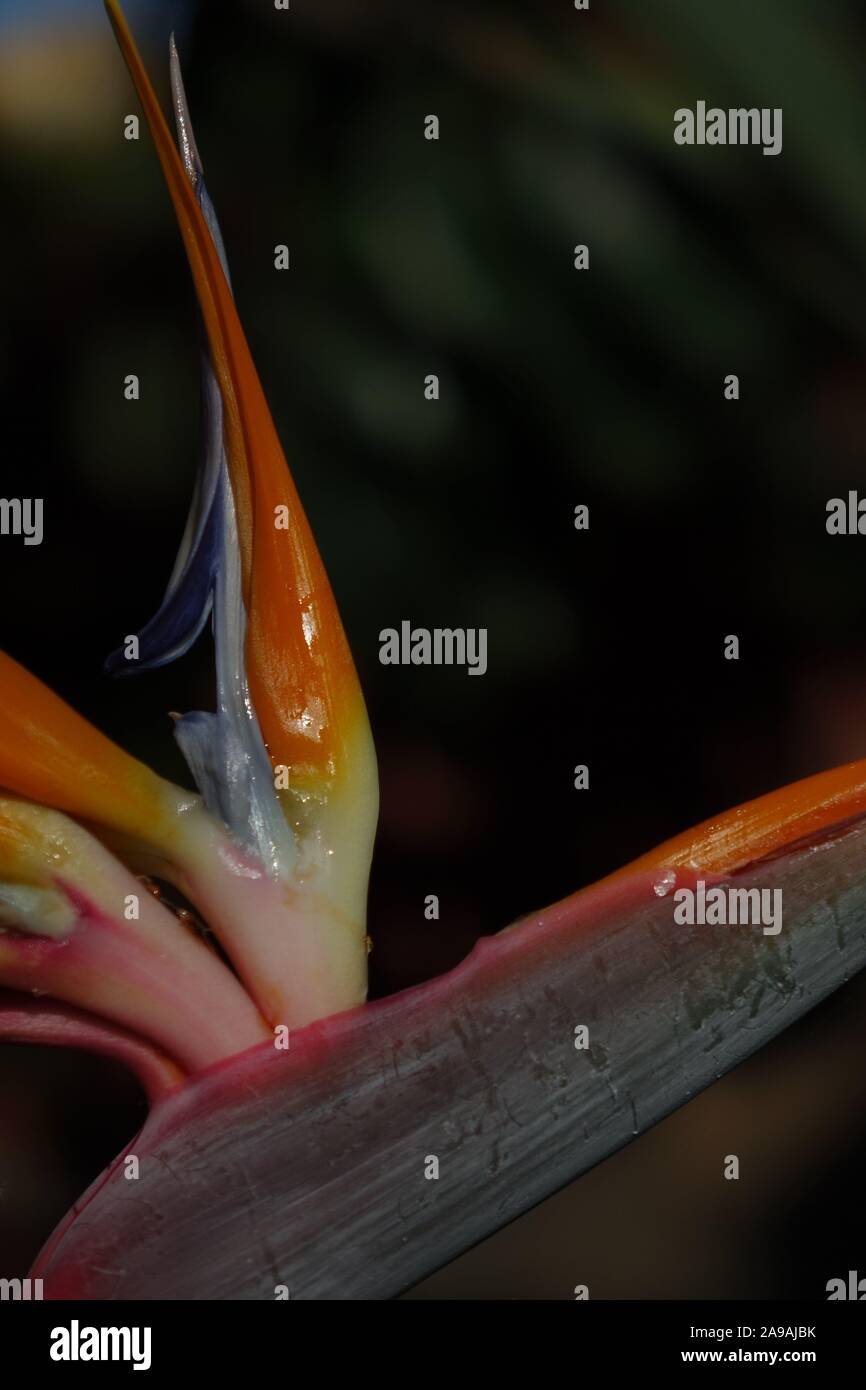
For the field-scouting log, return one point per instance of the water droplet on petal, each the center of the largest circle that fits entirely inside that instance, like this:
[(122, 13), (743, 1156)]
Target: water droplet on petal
[(666, 880)]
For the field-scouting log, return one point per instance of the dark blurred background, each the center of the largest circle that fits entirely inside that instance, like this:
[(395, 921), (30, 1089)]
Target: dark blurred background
[(558, 388)]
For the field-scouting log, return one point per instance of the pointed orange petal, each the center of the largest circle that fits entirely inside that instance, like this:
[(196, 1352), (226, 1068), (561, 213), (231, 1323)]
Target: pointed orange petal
[(302, 678), (49, 754), (762, 827)]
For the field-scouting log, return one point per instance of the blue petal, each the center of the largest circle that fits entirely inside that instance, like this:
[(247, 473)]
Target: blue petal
[(188, 598)]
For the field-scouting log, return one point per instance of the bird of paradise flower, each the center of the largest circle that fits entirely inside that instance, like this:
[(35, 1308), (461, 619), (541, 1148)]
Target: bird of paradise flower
[(274, 851)]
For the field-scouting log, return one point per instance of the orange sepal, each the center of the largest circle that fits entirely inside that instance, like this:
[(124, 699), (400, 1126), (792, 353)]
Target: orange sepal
[(301, 676), (766, 826), (51, 755)]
